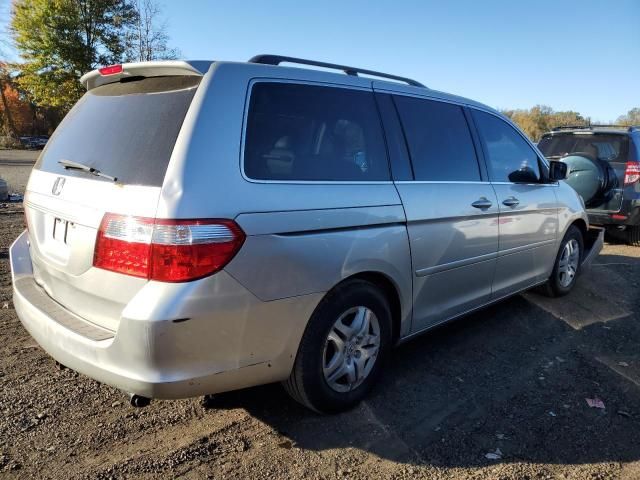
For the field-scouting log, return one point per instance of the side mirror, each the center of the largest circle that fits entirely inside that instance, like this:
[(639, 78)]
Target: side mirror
[(557, 171)]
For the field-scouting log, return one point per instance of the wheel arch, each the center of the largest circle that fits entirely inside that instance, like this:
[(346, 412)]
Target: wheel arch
[(391, 292), (582, 226)]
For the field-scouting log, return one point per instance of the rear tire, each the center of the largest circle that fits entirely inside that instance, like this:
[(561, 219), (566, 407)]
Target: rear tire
[(567, 265), (343, 348), (633, 235)]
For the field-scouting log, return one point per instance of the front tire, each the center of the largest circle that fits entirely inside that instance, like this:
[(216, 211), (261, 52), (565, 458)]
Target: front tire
[(567, 264), (343, 348)]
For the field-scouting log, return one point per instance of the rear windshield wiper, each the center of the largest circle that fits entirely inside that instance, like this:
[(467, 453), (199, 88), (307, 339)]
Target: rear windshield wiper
[(69, 165)]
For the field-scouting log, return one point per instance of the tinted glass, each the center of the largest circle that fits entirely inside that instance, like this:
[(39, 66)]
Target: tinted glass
[(396, 143), (607, 147), (126, 130), (439, 140), (509, 156), (305, 132)]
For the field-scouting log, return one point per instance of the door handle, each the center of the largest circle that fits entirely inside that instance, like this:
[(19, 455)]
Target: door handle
[(511, 202), (482, 203)]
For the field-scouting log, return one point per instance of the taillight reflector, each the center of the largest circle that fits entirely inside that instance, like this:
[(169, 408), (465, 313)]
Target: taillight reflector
[(166, 250), (110, 70), (632, 173)]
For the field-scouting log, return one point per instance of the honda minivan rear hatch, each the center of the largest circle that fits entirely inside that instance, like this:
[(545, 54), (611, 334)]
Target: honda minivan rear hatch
[(110, 154)]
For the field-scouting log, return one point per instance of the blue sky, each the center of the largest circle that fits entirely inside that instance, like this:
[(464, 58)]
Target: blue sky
[(571, 55)]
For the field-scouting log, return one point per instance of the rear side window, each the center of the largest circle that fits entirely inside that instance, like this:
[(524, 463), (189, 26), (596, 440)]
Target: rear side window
[(313, 133), (607, 147), (439, 140), (125, 129), (509, 157)]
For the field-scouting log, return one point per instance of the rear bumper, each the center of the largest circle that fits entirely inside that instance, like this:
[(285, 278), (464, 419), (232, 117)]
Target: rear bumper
[(628, 215), (225, 338)]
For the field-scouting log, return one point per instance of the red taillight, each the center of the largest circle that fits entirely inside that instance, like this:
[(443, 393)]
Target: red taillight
[(110, 70), (166, 250), (632, 173)]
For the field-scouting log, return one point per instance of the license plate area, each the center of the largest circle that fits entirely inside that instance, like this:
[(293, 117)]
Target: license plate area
[(60, 230)]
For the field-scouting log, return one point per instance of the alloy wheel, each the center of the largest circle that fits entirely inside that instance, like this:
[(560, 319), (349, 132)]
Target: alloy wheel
[(568, 263), (351, 349)]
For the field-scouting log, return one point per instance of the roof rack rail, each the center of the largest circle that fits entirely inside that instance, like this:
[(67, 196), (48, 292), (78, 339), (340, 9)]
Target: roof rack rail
[(278, 59), (629, 128), (610, 126), (569, 127)]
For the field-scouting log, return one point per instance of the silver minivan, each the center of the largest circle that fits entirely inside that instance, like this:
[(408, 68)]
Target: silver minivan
[(199, 227)]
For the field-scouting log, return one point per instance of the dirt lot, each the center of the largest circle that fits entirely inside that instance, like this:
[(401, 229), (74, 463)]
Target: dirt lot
[(513, 377)]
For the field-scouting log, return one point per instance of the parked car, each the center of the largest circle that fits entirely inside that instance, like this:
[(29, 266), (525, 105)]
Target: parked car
[(198, 227), (41, 141), (34, 142), (604, 167), (27, 142)]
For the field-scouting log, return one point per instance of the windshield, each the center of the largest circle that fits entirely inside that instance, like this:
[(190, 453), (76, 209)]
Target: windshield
[(604, 146), (125, 129)]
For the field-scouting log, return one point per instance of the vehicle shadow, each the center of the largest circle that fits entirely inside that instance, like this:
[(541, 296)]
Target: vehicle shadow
[(512, 377), (614, 237), (613, 259)]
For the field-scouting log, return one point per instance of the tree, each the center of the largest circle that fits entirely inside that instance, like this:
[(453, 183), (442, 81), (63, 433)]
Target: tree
[(16, 114), (631, 118), (541, 118), (7, 125), (148, 38), (59, 40)]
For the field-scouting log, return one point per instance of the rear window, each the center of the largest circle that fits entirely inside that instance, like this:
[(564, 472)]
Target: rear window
[(313, 133), (608, 147), (125, 129)]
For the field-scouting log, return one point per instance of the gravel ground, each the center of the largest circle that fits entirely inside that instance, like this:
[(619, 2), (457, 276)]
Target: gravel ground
[(509, 380)]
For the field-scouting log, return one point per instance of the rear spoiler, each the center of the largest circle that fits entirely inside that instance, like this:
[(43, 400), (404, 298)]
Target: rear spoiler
[(115, 73)]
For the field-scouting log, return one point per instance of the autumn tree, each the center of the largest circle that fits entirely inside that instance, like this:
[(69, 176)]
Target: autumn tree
[(7, 125), (541, 118), (59, 40), (631, 118), (16, 114)]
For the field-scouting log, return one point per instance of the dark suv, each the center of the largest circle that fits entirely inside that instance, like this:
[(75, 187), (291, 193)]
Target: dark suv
[(604, 167)]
